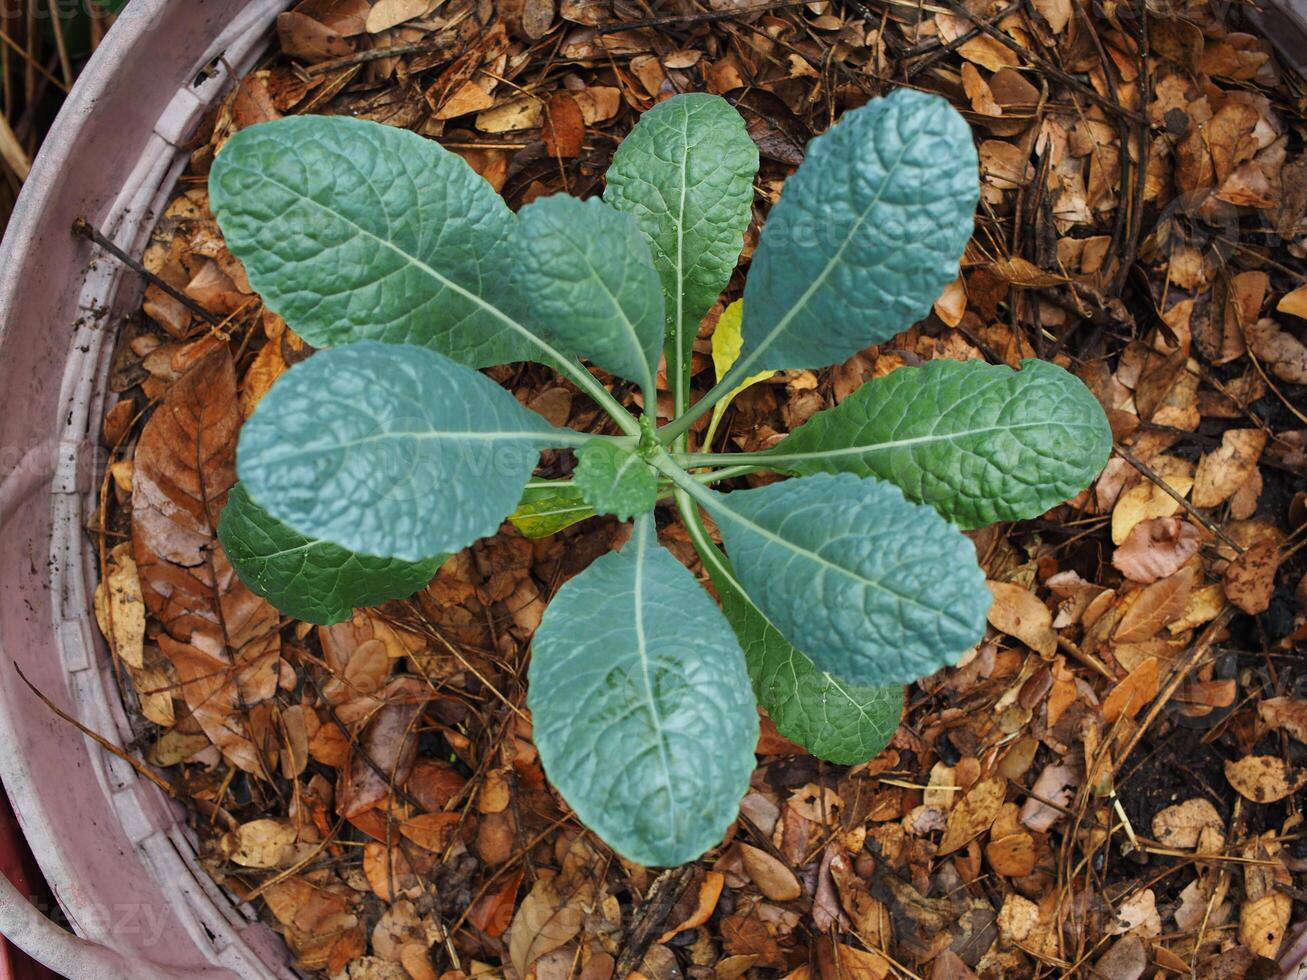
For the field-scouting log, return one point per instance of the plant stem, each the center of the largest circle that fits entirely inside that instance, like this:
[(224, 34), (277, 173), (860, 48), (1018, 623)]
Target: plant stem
[(694, 526), (757, 461), (587, 382), (729, 473), (664, 464), (673, 431)]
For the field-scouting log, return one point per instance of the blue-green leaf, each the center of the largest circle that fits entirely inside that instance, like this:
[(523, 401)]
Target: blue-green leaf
[(686, 173), (866, 235), (310, 580), (978, 442), (839, 722), (876, 590), (352, 230), (615, 481), (391, 450), (641, 705), (593, 288)]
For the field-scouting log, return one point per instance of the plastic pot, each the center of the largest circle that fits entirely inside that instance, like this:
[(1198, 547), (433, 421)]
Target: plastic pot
[(113, 847)]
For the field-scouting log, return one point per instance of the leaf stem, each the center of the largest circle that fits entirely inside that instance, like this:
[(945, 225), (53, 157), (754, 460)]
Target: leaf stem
[(664, 464), (698, 532), (757, 461), (671, 433), (728, 473), (588, 383)]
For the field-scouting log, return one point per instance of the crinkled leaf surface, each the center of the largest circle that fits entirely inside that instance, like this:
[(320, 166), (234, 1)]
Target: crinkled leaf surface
[(391, 450), (866, 235), (548, 507), (875, 589), (354, 230), (641, 705), (841, 723), (592, 286), (314, 581), (615, 481), (978, 442), (686, 173)]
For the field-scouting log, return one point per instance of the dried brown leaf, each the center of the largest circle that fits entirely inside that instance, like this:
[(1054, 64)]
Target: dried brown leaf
[(1156, 549), (1264, 778), (119, 608), (772, 877), (264, 843), (1224, 471), (839, 961), (1283, 354), (564, 126), (222, 639), (386, 14), (1017, 612), (387, 747), (1250, 578), (973, 814), (1182, 825), (1289, 714), (1155, 606), (553, 911), (1131, 694)]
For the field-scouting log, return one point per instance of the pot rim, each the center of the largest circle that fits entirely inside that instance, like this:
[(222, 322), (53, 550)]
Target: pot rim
[(229, 939)]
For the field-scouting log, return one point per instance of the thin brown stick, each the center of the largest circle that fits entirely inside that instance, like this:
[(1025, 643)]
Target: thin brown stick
[(99, 740), (1171, 492), (61, 46), (376, 54), (86, 230), (958, 10), (705, 17), (32, 63), (1199, 651), (649, 919)]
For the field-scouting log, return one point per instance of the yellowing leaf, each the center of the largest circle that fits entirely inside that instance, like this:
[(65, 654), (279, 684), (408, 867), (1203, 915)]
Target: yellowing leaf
[(727, 340)]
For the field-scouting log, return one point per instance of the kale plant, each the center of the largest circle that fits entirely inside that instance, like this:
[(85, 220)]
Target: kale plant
[(371, 460)]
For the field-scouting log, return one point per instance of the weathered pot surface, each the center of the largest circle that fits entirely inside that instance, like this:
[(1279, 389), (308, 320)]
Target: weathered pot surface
[(114, 848)]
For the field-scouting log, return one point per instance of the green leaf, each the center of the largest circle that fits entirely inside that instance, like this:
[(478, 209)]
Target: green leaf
[(641, 705), (615, 481), (876, 590), (546, 509), (353, 230), (866, 235), (310, 580), (593, 288), (391, 450), (686, 173), (978, 442), (842, 723)]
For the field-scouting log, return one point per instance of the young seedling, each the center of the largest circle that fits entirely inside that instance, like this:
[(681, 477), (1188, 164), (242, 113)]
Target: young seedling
[(367, 463)]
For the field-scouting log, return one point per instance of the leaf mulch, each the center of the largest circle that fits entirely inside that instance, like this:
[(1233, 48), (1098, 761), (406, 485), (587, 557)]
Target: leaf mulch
[(1110, 785)]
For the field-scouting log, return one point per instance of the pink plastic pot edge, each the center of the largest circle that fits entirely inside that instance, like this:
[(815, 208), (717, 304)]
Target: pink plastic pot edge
[(113, 847)]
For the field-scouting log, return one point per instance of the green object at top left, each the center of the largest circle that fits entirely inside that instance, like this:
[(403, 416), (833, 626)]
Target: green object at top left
[(354, 231)]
